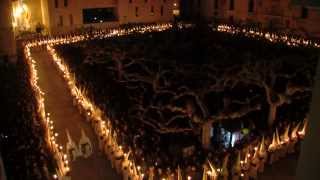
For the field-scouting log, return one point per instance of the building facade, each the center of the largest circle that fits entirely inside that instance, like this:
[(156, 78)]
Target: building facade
[(67, 15), (297, 15)]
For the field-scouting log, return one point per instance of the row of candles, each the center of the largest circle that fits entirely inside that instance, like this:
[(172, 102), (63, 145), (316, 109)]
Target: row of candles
[(272, 37), (92, 112), (57, 150), (51, 135), (252, 158), (95, 115)]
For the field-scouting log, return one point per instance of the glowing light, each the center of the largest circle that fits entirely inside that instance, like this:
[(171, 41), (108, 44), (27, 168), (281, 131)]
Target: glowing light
[(77, 92), (272, 37), (21, 16), (213, 171), (94, 112), (45, 117), (176, 12), (274, 143), (302, 132)]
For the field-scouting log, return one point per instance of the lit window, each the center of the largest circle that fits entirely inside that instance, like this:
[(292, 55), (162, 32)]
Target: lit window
[(176, 12)]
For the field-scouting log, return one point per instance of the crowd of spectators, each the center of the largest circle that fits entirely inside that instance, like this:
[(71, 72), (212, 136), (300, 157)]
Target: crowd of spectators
[(159, 88), (25, 153)]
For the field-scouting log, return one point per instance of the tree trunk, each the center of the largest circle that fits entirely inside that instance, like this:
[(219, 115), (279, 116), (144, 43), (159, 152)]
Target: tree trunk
[(272, 114), (120, 70), (206, 128)]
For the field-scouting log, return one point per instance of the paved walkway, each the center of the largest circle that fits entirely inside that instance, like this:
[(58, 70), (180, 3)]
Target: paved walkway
[(65, 116)]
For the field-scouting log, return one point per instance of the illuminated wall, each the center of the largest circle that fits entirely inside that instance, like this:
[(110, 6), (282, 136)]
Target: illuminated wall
[(65, 15), (7, 42), (59, 16), (137, 11), (176, 7), (278, 14), (36, 13)]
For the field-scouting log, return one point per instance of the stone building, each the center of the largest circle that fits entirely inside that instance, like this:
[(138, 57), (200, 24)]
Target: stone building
[(301, 16), (66, 15)]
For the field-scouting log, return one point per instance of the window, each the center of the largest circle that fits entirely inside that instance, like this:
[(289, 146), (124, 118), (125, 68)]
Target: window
[(98, 15), (71, 19), (216, 4), (137, 11), (231, 5), (287, 23), (231, 20), (251, 6), (176, 12), (56, 3), (161, 11), (304, 13), (65, 3), (60, 24)]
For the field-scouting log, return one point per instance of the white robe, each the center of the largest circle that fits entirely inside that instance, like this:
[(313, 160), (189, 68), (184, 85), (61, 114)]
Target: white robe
[(85, 145), (118, 160)]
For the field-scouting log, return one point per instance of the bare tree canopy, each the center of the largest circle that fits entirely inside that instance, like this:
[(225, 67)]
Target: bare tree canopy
[(172, 82)]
